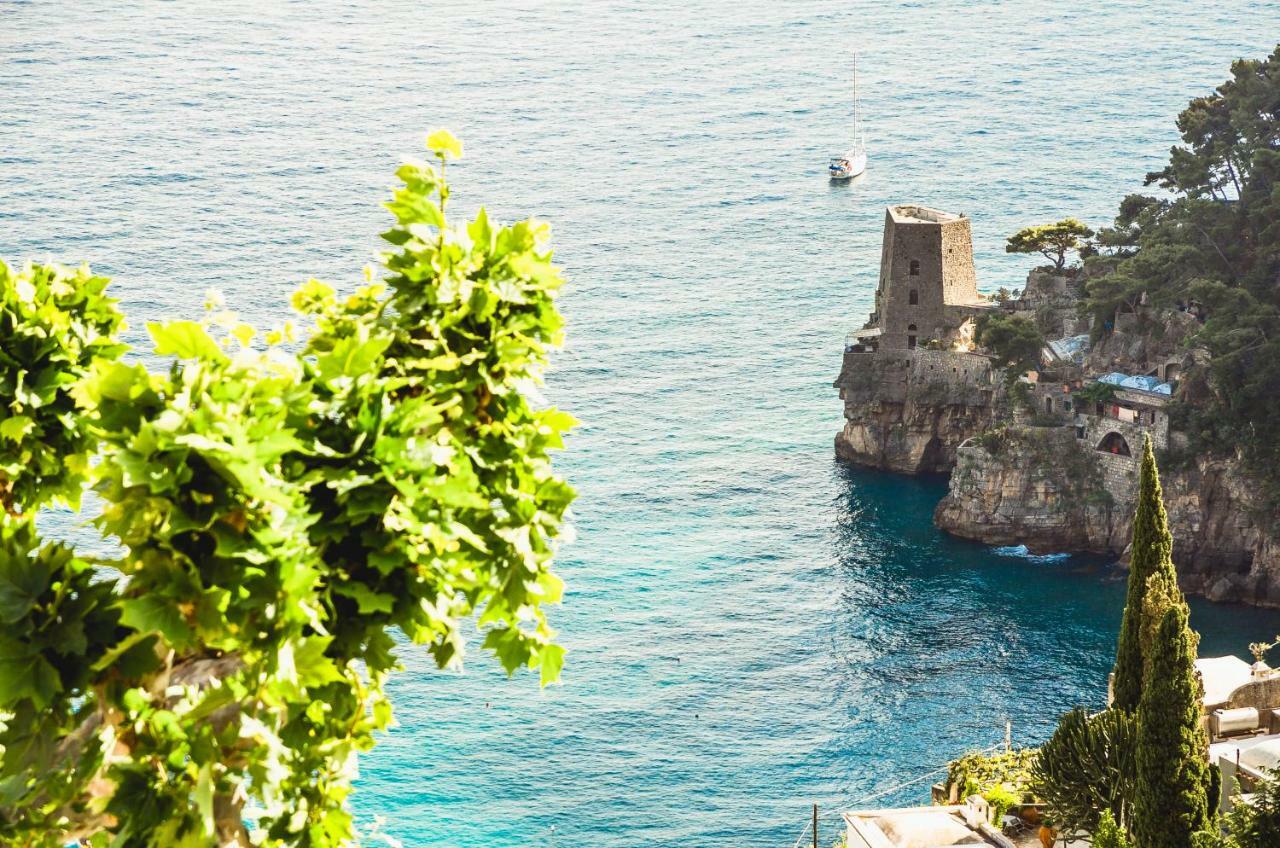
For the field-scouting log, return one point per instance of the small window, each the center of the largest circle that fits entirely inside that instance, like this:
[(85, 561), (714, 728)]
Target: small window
[(911, 341), (911, 328), (913, 297), (915, 267)]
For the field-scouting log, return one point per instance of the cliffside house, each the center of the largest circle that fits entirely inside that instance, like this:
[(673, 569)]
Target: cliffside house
[(927, 290), (1115, 426)]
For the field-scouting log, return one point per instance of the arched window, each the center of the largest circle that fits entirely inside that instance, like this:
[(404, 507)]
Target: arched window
[(913, 296), (911, 328), (911, 340), (915, 267), (1114, 443)]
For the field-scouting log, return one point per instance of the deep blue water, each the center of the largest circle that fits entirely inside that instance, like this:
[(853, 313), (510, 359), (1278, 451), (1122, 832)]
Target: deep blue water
[(752, 626)]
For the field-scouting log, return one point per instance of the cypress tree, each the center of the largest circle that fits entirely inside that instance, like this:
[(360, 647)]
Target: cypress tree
[(1171, 800), (1150, 554)]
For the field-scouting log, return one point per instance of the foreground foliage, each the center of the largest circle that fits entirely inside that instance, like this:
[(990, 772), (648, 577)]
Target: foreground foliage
[(1143, 762), (1086, 769), (281, 514), (1150, 570), (1002, 778), (1109, 834), (1249, 825), (1171, 801)]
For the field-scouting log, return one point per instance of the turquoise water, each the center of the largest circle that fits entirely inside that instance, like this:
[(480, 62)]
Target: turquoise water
[(752, 626)]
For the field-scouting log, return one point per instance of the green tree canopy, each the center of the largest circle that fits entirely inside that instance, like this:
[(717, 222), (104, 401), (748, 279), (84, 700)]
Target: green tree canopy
[(1053, 241), (1013, 341), (282, 510), (1212, 243)]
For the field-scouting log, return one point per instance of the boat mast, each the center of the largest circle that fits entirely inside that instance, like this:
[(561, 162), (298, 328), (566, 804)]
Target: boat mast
[(857, 127)]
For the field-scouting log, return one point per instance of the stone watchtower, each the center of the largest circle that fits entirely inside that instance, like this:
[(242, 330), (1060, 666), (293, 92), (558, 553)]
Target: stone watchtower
[(927, 286)]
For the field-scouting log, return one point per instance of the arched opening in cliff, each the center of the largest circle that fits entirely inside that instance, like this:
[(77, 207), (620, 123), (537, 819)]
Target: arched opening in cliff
[(1114, 443), (934, 459)]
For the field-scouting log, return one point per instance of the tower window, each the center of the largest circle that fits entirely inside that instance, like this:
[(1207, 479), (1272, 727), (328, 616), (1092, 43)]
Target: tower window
[(913, 297), (915, 267)]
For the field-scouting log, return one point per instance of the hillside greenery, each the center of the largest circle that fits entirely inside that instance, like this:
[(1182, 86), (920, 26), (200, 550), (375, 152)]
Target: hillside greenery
[(1210, 244), (1052, 241), (1013, 341)]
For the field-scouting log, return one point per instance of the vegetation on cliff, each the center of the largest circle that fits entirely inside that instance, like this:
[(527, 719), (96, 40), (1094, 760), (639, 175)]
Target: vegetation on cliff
[(282, 514), (1053, 241), (1013, 341), (1212, 245)]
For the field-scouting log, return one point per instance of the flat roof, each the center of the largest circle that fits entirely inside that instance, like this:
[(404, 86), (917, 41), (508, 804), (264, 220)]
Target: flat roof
[(912, 214), (1222, 676), (1255, 753), (917, 827)]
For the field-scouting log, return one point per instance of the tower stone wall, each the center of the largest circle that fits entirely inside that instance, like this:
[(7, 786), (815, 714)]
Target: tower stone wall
[(927, 286)]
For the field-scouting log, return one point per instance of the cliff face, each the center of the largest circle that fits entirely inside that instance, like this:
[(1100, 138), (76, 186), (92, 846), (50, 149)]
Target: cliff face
[(1035, 486), (1032, 486), (908, 411)]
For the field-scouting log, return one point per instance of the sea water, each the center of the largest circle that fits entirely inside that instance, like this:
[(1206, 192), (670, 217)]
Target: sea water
[(752, 627)]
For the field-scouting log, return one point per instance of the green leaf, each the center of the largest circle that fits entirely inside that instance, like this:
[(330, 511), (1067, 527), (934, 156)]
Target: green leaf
[(132, 657), (156, 614), (24, 674), (312, 666), (366, 599), (185, 340), (16, 427), (550, 661), (351, 357), (22, 579), (444, 144)]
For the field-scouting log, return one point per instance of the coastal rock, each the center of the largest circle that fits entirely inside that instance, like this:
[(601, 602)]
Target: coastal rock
[(908, 411), (1037, 487), (1032, 486)]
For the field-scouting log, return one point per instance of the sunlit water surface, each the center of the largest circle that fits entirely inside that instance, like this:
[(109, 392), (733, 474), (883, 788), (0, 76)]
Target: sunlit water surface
[(752, 626)]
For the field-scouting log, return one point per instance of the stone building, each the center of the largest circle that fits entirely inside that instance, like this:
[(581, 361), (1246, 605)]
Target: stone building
[(927, 290)]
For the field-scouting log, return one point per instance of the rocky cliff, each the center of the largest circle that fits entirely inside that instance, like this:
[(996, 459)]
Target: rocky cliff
[(909, 411), (1034, 486)]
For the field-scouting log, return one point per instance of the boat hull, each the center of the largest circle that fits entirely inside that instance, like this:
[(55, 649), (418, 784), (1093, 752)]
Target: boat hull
[(856, 164)]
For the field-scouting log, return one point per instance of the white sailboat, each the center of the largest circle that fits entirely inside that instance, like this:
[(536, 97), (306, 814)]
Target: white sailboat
[(854, 160)]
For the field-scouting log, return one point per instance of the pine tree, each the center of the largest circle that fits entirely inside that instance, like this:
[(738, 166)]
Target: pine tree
[(1171, 800), (1151, 554)]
